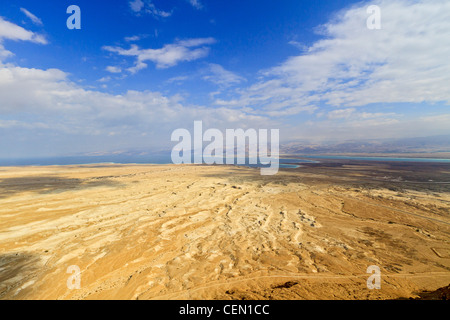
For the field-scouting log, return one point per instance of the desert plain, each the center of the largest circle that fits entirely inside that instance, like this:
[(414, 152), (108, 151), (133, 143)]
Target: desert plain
[(224, 232)]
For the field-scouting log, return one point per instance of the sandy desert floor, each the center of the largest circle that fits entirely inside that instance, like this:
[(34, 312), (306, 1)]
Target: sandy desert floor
[(223, 232)]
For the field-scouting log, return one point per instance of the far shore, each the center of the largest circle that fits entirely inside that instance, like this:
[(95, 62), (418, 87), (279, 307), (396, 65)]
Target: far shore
[(422, 155)]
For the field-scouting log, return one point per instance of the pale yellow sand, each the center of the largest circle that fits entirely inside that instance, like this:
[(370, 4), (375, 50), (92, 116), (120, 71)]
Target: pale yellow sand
[(210, 232)]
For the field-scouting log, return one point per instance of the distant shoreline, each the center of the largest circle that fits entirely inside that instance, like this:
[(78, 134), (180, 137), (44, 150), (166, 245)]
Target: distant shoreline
[(421, 155), (286, 160), (375, 158)]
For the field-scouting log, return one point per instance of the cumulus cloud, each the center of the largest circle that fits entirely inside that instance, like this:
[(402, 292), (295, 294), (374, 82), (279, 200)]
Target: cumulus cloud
[(157, 12), (104, 79), (136, 5), (58, 110), (341, 113), (12, 31), (222, 77), (167, 56), (113, 69), (23, 89)]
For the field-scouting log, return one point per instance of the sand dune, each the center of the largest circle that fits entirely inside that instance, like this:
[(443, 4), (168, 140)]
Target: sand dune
[(216, 232)]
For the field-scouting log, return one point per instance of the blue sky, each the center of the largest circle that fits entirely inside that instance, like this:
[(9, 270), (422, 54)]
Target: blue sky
[(249, 36), (138, 69)]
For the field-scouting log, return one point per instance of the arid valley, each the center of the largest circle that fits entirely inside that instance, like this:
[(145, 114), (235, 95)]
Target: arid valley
[(224, 232)]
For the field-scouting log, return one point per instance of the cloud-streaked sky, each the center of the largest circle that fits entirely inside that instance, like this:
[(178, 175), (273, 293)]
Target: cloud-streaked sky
[(139, 69)]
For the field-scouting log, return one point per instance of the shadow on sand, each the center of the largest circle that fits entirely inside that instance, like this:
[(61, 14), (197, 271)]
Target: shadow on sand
[(50, 184), (431, 177), (14, 267)]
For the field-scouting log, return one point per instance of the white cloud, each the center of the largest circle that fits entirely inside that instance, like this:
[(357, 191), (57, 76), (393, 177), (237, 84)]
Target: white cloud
[(222, 77), (298, 45), (156, 12), (341, 113), (353, 114), (23, 88), (4, 53), (167, 56), (12, 31), (350, 68), (196, 4), (136, 5), (139, 6), (63, 109), (405, 61), (68, 110), (113, 69), (32, 17), (177, 79), (104, 79), (132, 38)]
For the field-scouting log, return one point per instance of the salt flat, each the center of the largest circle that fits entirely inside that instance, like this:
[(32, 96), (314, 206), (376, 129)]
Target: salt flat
[(221, 232)]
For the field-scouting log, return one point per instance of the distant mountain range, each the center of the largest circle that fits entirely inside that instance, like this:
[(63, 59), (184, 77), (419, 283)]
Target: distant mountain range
[(435, 144), (422, 145)]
